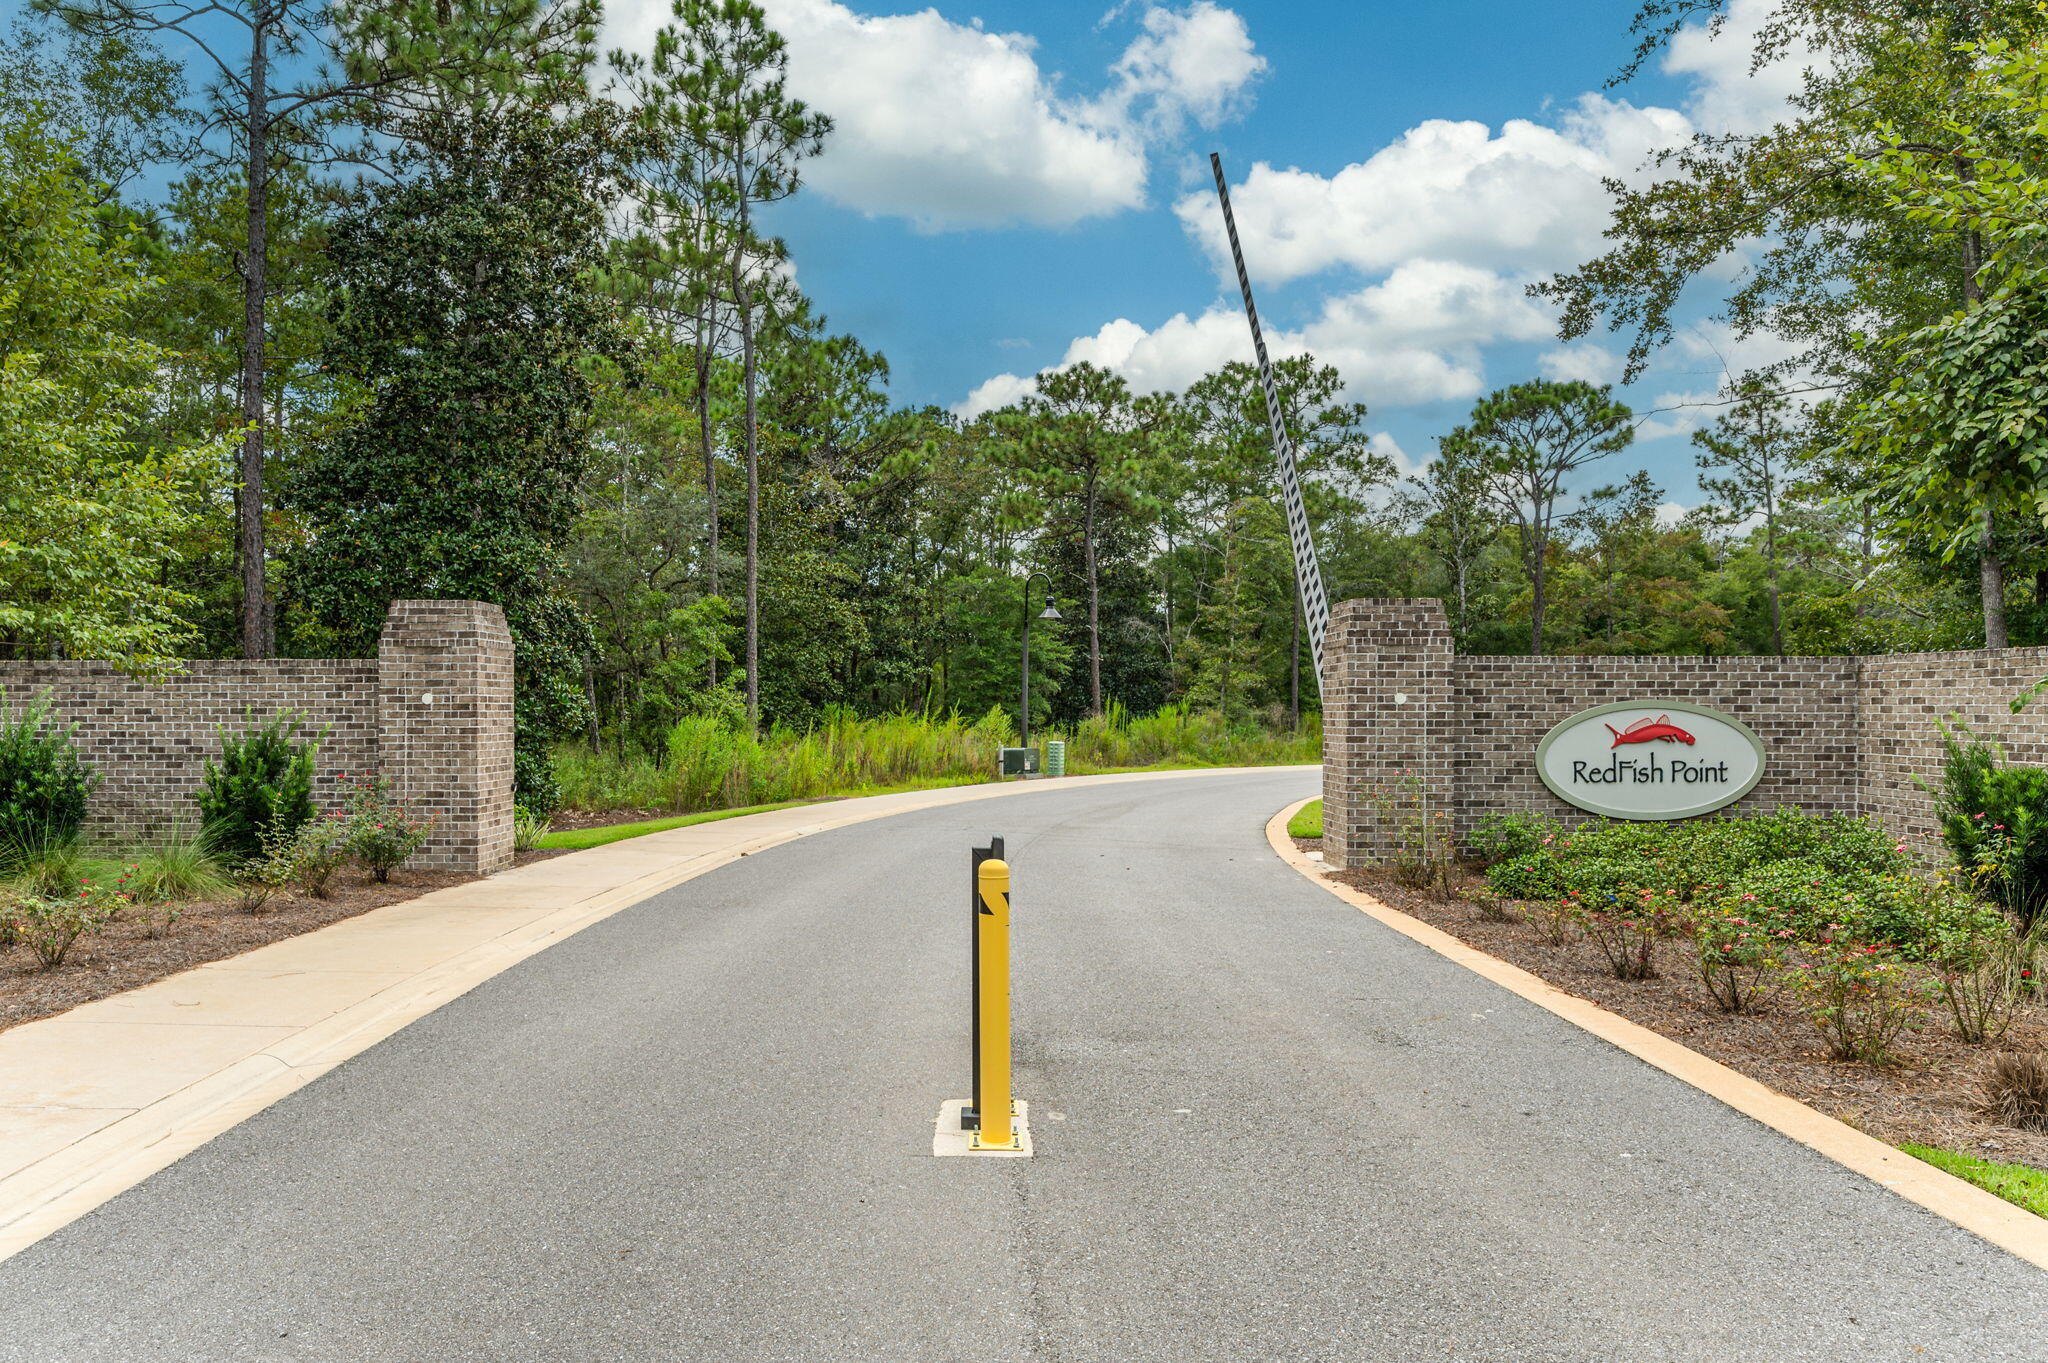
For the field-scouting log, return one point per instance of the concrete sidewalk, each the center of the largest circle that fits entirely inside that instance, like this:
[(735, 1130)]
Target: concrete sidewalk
[(94, 1100)]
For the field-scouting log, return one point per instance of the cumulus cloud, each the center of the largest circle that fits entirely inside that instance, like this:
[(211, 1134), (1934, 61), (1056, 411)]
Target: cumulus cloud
[(952, 126), (1529, 197), (1196, 63), (1415, 336)]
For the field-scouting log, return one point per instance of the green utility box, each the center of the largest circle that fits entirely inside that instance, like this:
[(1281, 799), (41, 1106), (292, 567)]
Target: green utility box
[(1055, 757), (1020, 761)]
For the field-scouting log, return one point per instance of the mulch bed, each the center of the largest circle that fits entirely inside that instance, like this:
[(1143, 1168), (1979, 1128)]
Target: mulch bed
[(124, 956), (1932, 1097)]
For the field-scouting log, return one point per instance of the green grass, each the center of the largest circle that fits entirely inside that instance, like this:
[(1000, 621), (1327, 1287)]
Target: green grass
[(2016, 1183), (580, 838), (1307, 821)]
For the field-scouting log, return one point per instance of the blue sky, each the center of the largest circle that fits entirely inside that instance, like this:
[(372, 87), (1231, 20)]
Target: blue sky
[(1014, 186)]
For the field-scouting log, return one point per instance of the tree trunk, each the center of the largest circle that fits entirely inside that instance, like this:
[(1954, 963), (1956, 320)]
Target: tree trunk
[(1990, 568), (1294, 681), (1094, 605), (257, 641), (1771, 564), (704, 447), (746, 306), (1536, 593), (1991, 582)]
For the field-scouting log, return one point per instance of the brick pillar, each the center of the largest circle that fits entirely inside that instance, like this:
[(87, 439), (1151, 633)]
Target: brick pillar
[(1388, 688), (444, 727)]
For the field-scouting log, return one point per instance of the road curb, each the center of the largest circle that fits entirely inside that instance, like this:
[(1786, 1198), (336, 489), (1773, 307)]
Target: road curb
[(1964, 1204), (96, 1099)]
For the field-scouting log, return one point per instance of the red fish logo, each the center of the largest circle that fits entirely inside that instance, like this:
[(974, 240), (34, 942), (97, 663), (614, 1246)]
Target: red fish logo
[(1658, 730)]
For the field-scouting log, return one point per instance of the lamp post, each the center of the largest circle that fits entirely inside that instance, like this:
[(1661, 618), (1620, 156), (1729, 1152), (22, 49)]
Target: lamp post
[(1049, 613)]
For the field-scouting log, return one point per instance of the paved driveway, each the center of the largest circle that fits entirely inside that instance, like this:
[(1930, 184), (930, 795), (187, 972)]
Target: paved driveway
[(1267, 1129)]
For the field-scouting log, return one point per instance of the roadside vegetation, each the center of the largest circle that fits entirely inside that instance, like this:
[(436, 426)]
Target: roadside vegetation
[(710, 762), (1894, 984), (255, 846)]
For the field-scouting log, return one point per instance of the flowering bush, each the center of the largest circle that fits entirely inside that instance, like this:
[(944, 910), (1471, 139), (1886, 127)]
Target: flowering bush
[(1741, 960), (1419, 832), (383, 831), (1625, 926), (51, 927), (1860, 996)]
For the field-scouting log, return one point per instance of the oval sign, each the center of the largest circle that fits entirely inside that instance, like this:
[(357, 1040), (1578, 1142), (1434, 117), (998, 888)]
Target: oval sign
[(1651, 759)]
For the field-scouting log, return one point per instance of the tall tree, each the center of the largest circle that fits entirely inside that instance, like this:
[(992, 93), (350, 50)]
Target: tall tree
[(468, 305), (115, 97), (275, 105), (90, 520), (1080, 447), (728, 72), (1530, 438), (1744, 460), (1458, 523)]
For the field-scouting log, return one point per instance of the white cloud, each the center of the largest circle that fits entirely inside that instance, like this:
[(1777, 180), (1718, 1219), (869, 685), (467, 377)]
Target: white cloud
[(1195, 64), (1584, 361), (1414, 337), (1529, 197), (1669, 514), (953, 126), (1727, 95)]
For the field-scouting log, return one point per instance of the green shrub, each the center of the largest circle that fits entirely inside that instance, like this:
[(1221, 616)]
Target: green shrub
[(1861, 998), (1533, 875), (383, 832), (44, 786), (1994, 818), (1625, 926), (312, 855), (1503, 837), (259, 880), (262, 787), (1740, 958), (51, 927)]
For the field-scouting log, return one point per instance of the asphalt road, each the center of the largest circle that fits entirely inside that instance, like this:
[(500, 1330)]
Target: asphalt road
[(1267, 1128)]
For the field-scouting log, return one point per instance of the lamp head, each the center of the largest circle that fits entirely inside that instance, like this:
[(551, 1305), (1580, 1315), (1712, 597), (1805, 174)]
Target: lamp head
[(1051, 612)]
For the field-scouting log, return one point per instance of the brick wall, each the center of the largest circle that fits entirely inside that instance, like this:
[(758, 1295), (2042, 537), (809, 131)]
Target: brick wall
[(1842, 734), (433, 711)]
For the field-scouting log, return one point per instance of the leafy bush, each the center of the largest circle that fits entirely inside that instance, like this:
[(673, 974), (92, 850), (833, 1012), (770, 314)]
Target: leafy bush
[(51, 927), (44, 786), (1503, 837), (258, 881), (1740, 959), (261, 787), (1538, 875), (1625, 926), (383, 832), (1861, 998), (312, 855), (1994, 818)]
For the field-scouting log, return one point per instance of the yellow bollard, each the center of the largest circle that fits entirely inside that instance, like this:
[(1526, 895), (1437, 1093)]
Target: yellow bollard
[(993, 938)]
